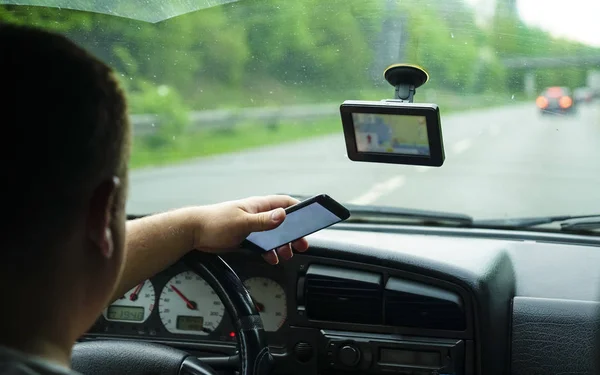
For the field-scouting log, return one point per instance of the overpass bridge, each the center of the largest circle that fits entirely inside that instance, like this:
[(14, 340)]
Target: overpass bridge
[(590, 62)]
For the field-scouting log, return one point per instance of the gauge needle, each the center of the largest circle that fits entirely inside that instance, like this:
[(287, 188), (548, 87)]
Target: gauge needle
[(134, 295), (259, 306), (190, 304)]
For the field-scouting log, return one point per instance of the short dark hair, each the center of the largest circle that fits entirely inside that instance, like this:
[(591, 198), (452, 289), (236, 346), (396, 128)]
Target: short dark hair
[(64, 125)]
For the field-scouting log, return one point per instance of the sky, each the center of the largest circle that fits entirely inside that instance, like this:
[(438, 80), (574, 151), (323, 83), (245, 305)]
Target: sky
[(572, 19)]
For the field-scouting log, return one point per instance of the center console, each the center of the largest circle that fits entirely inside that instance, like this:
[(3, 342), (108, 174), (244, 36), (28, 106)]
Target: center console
[(382, 322)]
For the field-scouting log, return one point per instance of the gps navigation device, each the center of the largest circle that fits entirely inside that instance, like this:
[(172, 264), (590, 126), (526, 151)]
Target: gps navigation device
[(395, 131)]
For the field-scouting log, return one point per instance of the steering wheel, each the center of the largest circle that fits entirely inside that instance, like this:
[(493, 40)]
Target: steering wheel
[(139, 358)]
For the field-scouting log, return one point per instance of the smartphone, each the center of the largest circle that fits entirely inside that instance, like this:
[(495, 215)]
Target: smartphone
[(302, 219)]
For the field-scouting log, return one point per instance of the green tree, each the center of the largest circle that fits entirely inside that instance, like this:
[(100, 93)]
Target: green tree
[(266, 51)]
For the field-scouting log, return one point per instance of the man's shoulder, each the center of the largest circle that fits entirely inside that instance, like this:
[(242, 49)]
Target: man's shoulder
[(15, 363), (16, 368), (23, 368)]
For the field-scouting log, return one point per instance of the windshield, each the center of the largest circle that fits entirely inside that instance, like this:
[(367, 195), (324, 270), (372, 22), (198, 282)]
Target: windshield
[(230, 99)]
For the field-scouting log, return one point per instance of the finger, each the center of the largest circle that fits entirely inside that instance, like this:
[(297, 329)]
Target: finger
[(271, 202), (300, 245), (285, 252), (271, 257), (281, 201), (265, 220)]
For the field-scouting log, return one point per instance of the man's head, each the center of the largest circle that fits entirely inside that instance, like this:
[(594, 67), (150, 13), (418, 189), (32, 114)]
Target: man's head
[(64, 152)]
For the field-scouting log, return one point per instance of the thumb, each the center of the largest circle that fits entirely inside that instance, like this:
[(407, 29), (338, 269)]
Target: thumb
[(266, 220)]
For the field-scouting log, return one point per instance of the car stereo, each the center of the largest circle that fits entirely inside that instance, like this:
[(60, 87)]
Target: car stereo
[(384, 354)]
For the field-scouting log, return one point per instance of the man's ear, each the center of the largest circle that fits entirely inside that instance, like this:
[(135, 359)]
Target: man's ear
[(99, 216)]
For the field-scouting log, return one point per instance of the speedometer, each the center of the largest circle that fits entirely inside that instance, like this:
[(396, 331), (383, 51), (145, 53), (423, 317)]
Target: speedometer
[(270, 301), (133, 307), (188, 305)]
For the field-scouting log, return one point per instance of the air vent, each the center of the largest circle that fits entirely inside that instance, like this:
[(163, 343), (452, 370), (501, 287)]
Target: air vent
[(412, 304), (343, 295)]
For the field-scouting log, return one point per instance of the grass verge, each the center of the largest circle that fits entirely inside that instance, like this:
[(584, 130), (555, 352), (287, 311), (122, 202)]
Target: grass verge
[(240, 138)]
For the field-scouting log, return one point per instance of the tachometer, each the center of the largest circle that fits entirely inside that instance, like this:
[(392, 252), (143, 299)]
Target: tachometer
[(188, 305), (270, 300), (134, 307)]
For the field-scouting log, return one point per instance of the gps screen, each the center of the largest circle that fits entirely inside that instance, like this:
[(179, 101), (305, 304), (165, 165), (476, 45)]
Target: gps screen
[(391, 134)]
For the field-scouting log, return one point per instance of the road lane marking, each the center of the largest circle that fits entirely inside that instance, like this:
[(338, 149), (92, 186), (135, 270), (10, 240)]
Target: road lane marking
[(379, 190), (462, 146)]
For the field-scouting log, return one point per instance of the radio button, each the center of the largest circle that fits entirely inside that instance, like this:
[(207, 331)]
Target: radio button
[(348, 355)]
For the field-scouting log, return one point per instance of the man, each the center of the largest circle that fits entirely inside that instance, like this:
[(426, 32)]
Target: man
[(67, 250)]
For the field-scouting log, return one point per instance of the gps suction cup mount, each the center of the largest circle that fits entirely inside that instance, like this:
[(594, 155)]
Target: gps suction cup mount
[(406, 78), (395, 131)]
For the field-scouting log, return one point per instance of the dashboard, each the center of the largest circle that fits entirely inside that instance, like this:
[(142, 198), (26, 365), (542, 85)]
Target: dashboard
[(403, 300), (177, 305)]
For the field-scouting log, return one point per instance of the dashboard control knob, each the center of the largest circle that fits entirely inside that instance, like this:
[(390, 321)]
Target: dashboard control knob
[(303, 351), (349, 355)]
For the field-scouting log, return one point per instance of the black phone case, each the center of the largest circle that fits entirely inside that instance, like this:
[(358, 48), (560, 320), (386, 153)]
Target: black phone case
[(323, 199)]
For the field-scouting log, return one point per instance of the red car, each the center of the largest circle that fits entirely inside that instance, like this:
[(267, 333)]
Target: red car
[(557, 100)]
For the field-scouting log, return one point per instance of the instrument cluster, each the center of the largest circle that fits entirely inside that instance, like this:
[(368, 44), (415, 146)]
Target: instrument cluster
[(178, 305)]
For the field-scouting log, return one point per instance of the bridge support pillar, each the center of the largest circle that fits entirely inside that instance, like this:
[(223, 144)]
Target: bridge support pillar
[(529, 85)]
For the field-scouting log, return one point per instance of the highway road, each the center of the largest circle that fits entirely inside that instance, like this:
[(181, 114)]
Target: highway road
[(501, 162)]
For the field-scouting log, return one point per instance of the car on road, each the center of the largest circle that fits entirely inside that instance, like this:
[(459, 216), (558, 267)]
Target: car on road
[(556, 100)]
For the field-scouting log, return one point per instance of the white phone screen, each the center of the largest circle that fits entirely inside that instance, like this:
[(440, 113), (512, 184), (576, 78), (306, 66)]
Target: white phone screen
[(297, 224)]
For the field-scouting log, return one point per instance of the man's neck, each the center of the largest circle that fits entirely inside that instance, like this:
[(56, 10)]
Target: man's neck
[(42, 348)]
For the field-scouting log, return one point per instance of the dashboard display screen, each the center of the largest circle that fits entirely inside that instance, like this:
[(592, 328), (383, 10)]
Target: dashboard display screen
[(409, 357), (131, 313), (190, 323)]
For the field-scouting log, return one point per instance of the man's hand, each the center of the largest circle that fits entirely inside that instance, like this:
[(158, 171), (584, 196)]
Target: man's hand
[(224, 226), (157, 241)]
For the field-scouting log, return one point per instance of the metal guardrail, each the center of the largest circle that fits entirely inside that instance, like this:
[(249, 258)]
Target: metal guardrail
[(146, 124), (223, 119)]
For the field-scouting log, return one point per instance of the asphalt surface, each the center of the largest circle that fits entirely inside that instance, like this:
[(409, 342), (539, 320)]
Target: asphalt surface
[(502, 162)]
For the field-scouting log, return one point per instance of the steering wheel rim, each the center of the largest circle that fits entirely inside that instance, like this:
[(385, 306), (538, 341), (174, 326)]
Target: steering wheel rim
[(134, 357), (254, 350)]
